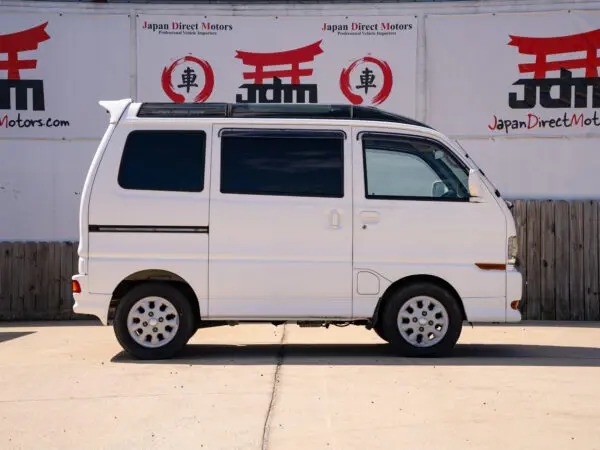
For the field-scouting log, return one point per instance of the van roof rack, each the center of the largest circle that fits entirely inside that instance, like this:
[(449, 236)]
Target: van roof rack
[(289, 111)]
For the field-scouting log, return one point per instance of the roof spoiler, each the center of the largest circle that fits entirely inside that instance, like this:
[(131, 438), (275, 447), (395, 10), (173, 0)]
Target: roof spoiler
[(115, 108)]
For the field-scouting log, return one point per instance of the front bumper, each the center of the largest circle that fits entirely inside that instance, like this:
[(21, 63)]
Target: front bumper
[(514, 292), (91, 304)]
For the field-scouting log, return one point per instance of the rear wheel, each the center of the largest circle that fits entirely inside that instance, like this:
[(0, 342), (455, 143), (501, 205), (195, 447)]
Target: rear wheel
[(422, 320), (153, 321)]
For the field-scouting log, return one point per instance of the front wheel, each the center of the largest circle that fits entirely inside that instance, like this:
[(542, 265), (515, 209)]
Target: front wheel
[(153, 321), (378, 328), (422, 320)]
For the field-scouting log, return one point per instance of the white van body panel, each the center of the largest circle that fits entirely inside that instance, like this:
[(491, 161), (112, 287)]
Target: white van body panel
[(396, 239), (280, 256), (288, 258), (115, 256), (87, 302)]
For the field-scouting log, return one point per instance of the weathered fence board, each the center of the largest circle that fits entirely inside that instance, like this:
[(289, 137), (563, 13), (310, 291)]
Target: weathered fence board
[(533, 262), (5, 257), (28, 275), (19, 266), (45, 272), (562, 267), (590, 259), (548, 254), (576, 289), (559, 253), (54, 289)]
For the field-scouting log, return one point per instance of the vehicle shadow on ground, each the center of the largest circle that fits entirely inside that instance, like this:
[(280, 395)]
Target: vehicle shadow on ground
[(9, 335), (545, 324), (376, 355)]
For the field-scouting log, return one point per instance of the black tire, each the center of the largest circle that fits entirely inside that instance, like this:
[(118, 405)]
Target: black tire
[(183, 310), (378, 328), (391, 310)]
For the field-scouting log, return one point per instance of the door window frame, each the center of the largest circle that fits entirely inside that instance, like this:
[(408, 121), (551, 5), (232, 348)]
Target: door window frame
[(220, 129), (158, 130), (360, 136)]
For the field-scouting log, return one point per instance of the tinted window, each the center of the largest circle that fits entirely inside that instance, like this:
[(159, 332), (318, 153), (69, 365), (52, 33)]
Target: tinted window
[(279, 163), (412, 168), (163, 161)]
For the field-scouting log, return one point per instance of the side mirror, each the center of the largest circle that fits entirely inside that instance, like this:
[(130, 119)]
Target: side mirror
[(438, 189), (475, 187)]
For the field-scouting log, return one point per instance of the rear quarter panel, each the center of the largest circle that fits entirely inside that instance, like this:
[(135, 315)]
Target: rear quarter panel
[(114, 256)]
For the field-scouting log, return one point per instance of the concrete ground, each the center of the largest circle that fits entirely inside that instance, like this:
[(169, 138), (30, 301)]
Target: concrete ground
[(529, 386)]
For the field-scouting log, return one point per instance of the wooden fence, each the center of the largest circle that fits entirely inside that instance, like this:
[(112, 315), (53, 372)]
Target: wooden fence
[(560, 251), (559, 248), (35, 280)]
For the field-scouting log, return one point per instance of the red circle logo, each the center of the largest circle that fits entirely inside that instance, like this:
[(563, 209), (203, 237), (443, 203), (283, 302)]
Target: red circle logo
[(188, 80), (372, 69)]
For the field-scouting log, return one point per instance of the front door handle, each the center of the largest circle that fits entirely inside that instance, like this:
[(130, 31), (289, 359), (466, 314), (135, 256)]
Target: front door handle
[(368, 217)]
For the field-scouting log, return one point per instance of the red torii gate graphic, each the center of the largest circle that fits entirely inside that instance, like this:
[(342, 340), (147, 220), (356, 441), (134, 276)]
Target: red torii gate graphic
[(292, 57), (22, 41), (542, 47), (257, 91), (11, 45)]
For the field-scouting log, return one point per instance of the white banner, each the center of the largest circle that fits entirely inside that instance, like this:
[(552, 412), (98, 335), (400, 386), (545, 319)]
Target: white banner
[(55, 68), (514, 74), (367, 60)]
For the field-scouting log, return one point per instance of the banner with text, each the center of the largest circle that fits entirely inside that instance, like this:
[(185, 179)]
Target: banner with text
[(366, 60), (55, 68), (514, 74)]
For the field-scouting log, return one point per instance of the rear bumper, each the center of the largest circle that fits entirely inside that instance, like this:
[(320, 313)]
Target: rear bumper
[(91, 304), (514, 292)]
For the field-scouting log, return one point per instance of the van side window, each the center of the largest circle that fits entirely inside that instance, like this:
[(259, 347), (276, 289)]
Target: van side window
[(163, 161), (398, 167), (288, 163)]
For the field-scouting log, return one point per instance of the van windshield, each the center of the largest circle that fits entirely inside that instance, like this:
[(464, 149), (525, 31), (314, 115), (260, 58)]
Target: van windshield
[(477, 168)]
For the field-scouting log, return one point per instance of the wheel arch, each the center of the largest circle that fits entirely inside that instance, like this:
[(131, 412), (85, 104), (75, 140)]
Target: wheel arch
[(414, 279), (153, 275)]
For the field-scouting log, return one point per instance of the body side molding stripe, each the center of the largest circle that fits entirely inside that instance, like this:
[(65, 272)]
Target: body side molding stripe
[(146, 229)]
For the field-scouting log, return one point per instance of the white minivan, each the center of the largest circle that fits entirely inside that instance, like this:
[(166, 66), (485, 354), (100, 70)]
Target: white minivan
[(196, 215)]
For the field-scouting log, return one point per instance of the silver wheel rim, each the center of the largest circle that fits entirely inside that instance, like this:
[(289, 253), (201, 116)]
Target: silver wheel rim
[(423, 321), (153, 322)]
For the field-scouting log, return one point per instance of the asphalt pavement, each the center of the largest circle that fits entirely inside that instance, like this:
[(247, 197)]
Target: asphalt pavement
[(527, 386)]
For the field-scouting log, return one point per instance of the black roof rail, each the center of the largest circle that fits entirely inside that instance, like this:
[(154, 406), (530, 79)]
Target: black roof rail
[(279, 111)]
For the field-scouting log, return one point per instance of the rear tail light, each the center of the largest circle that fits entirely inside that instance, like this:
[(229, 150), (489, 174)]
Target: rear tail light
[(514, 304), (76, 287)]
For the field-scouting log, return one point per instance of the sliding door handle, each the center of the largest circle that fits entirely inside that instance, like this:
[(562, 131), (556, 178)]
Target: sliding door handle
[(334, 218)]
